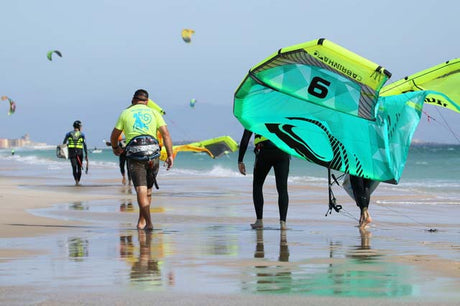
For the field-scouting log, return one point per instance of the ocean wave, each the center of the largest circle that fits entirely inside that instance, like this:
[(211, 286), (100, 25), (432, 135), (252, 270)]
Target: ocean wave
[(307, 180), (419, 202), (52, 164), (216, 171)]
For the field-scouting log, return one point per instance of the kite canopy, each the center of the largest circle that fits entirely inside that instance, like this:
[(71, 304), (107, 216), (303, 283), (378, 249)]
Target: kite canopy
[(12, 105), (187, 35), (215, 147), (192, 102), (444, 78), (320, 102), (49, 55)]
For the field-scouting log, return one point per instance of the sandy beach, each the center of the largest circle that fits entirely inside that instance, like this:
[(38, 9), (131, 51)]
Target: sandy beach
[(62, 244)]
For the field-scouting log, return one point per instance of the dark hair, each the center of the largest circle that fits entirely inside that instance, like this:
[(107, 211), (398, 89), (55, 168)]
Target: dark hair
[(141, 94)]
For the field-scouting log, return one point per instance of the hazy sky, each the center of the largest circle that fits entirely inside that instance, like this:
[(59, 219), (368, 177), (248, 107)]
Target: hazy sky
[(111, 48)]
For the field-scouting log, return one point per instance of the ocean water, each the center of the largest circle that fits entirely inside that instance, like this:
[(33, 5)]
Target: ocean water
[(430, 169)]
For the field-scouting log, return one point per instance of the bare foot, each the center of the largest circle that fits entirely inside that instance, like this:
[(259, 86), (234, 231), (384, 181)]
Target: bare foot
[(258, 224), (123, 180), (365, 218), (141, 224), (145, 227)]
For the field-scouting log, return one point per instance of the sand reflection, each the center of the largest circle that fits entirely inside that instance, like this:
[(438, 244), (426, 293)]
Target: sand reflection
[(145, 257), (272, 277), (350, 270)]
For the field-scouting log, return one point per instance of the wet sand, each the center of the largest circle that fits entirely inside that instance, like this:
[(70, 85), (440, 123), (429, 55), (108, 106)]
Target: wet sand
[(62, 244)]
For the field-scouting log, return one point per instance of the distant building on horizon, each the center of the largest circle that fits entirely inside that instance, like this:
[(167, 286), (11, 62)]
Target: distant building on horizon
[(24, 141)]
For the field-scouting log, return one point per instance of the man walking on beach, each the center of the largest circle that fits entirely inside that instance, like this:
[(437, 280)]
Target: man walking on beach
[(76, 145), (140, 123), (267, 156)]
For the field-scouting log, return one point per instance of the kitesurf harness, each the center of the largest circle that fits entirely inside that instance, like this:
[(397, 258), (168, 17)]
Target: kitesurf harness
[(143, 147)]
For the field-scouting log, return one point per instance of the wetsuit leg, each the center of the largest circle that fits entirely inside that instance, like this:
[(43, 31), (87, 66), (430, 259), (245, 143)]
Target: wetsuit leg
[(281, 167), (79, 166), (74, 163), (361, 190), (122, 162), (261, 168)]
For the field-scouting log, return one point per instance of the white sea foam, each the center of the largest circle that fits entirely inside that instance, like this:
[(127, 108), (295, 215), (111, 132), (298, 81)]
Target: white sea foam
[(216, 171)]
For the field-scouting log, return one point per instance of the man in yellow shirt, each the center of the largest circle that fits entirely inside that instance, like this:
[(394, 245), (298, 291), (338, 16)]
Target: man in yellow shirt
[(140, 123)]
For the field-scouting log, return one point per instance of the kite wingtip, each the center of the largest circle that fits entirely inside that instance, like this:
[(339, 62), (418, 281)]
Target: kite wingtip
[(321, 41)]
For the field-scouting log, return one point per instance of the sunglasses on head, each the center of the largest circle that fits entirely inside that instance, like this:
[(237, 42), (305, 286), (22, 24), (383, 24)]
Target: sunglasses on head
[(141, 98)]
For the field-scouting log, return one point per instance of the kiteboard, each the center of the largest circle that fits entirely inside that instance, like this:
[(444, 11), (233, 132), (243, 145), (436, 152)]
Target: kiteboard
[(62, 151)]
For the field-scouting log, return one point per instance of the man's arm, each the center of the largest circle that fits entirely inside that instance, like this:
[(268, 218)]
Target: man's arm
[(242, 150), (65, 138), (114, 141), (85, 148), (167, 142)]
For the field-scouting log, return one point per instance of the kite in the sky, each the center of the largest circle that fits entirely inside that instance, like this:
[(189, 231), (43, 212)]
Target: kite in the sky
[(321, 102), (49, 55), (12, 105), (187, 35), (192, 102)]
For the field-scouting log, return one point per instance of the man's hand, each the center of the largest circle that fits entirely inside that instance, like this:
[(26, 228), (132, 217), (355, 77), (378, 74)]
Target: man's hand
[(242, 168), (117, 150), (169, 162)]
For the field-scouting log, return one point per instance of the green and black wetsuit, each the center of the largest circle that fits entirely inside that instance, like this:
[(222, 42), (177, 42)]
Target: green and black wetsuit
[(77, 151)]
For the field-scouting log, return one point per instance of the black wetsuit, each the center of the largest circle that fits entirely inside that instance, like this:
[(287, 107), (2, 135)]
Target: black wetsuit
[(76, 145), (267, 156), (123, 161), (122, 165), (361, 190)]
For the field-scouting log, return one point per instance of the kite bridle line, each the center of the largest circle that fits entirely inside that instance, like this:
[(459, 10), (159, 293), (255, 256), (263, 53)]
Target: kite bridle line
[(332, 200), (443, 119), (447, 126), (332, 179), (429, 229)]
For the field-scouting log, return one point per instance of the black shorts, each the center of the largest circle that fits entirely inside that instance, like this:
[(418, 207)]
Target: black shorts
[(143, 173)]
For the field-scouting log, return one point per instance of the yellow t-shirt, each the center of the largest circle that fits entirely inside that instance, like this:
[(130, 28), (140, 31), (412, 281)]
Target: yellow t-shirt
[(138, 120)]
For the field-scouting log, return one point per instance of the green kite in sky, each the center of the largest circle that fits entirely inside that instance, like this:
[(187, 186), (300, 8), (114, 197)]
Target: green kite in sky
[(322, 103), (49, 54)]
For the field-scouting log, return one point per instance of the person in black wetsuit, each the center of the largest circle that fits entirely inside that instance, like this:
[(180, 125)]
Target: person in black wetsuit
[(362, 195), (123, 162), (267, 156), (76, 145)]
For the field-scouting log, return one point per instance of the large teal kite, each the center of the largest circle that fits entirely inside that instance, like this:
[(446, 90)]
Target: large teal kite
[(322, 103)]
